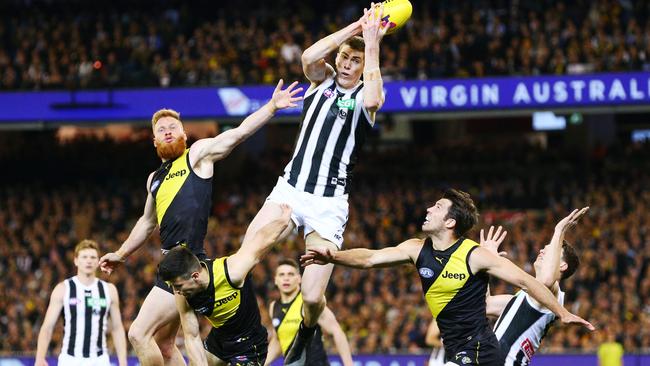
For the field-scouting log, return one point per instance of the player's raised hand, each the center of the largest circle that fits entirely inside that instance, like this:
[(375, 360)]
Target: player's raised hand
[(316, 256), (571, 319), (109, 261), (286, 98), (493, 240), (571, 220), (373, 27)]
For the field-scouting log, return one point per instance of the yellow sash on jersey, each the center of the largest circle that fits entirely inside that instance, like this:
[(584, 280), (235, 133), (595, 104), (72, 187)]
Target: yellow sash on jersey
[(171, 184), (226, 297), (289, 325), (453, 277)]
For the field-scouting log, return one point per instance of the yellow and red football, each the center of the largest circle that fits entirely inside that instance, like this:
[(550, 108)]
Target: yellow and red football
[(396, 14)]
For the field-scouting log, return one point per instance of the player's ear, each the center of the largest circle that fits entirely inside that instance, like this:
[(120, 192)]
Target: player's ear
[(450, 223), (563, 266)]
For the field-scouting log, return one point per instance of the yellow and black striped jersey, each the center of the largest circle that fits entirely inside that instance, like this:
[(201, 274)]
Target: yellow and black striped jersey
[(232, 311), (183, 201), (455, 295), (286, 321)]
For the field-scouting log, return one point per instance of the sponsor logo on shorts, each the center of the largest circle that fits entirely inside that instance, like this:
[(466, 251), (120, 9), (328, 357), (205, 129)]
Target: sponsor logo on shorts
[(455, 276), (426, 272), (173, 175)]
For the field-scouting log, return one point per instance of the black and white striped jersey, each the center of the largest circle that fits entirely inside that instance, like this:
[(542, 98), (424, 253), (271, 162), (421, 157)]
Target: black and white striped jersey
[(334, 124), (522, 326), (85, 310)]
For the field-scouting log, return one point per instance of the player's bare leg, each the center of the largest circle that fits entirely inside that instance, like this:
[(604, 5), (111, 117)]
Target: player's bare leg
[(269, 212), (314, 284), (158, 313)]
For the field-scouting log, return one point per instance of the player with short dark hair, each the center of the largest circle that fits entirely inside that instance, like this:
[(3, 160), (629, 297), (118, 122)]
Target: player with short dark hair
[(454, 272), (286, 316), (222, 291)]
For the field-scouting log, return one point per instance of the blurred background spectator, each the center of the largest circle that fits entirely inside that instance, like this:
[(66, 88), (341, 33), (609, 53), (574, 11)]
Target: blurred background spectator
[(50, 203), (72, 44)]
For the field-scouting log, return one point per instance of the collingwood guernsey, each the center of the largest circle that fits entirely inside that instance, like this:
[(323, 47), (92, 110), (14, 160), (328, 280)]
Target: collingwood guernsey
[(85, 310), (521, 327), (333, 129)]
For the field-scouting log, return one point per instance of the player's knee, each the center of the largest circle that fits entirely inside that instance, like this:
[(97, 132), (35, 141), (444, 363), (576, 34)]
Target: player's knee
[(313, 298), (137, 336)]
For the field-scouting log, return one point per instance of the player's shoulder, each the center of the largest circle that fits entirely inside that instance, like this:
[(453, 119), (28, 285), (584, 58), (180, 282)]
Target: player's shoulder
[(414, 242), (412, 247), (59, 290), (61, 285)]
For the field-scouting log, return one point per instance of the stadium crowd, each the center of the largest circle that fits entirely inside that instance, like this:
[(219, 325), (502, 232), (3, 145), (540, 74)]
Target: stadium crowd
[(44, 216), (59, 44)]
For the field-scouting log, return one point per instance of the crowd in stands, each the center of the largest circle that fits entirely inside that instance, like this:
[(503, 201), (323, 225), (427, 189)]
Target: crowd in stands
[(71, 44), (380, 310)]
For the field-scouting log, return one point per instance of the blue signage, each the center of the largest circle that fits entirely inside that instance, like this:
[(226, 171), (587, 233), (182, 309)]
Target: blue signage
[(476, 94)]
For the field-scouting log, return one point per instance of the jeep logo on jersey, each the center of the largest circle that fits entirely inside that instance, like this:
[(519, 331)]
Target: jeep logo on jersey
[(225, 300), (426, 272), (456, 276), (179, 173), (346, 103)]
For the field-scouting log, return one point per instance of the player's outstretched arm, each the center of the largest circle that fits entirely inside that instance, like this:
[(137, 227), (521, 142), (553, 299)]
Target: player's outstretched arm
[(553, 251), (51, 316), (117, 328), (373, 31), (253, 250), (145, 225), (209, 150), (191, 332), (274, 349), (482, 259), (330, 326), (491, 241), (405, 252), (313, 58), (495, 304)]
